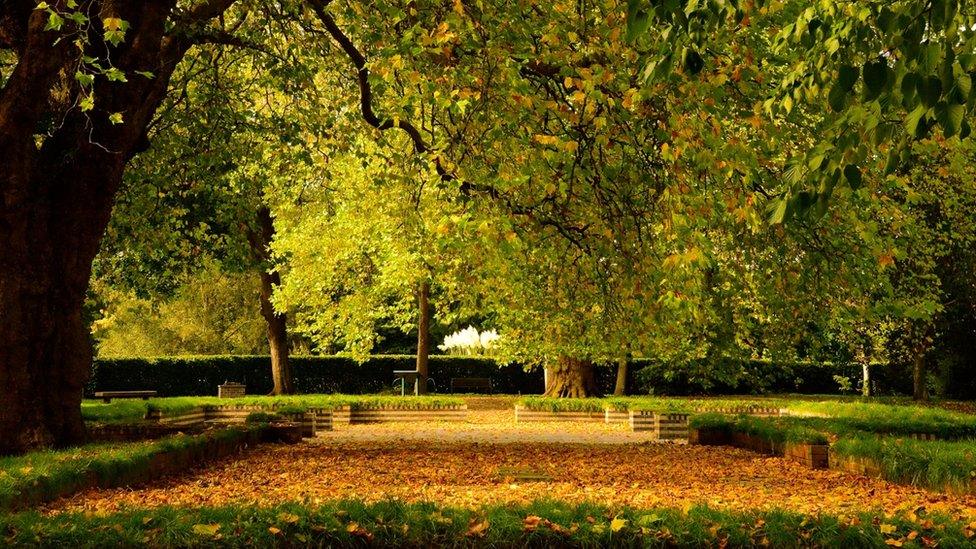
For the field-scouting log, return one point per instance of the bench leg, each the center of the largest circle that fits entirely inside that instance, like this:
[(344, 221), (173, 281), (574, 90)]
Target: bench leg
[(107, 400)]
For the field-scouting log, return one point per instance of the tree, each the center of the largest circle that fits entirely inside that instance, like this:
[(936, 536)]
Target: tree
[(64, 154)]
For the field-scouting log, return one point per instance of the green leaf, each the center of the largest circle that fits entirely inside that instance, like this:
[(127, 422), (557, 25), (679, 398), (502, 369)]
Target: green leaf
[(54, 22), (693, 61), (930, 90), (778, 208), (847, 77), (914, 118), (87, 103), (837, 97), (875, 78), (115, 75), (85, 79), (637, 20), (950, 118), (853, 176)]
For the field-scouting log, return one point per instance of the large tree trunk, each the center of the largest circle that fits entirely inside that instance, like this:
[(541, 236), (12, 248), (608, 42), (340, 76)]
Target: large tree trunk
[(260, 240), (56, 196), (620, 389), (571, 378), (423, 337)]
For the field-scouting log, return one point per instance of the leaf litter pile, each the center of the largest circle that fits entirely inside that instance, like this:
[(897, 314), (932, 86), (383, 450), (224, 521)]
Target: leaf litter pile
[(472, 474)]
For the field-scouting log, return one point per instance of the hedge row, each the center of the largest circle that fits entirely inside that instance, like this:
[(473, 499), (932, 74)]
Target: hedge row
[(200, 375)]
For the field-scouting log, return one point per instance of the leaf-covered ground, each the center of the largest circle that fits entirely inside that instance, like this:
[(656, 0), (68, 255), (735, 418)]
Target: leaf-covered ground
[(472, 464)]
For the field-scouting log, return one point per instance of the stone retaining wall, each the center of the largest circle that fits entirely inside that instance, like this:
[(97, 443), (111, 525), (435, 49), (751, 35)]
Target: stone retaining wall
[(814, 456), (525, 414), (348, 415)]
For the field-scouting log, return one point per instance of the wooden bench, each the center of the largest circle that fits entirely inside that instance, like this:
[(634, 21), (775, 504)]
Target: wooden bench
[(482, 383), (107, 396)]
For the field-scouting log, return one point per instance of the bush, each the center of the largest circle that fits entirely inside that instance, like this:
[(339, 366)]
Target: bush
[(728, 376), (200, 375)]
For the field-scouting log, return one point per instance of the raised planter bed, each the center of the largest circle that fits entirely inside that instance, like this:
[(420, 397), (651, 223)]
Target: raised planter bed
[(128, 432), (814, 456), (744, 411), (204, 448), (526, 414), (347, 414), (311, 421)]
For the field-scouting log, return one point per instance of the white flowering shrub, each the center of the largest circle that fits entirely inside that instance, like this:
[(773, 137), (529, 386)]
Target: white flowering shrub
[(469, 342)]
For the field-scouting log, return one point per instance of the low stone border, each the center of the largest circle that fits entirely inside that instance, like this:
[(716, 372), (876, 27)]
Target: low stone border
[(525, 414), (672, 426), (349, 415), (616, 416), (312, 421), (207, 447), (744, 411), (814, 456), (131, 432)]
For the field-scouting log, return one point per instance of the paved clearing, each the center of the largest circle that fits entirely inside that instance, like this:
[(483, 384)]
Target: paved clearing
[(459, 463)]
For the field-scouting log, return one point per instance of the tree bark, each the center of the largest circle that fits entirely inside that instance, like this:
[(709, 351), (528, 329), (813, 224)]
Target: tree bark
[(423, 337), (920, 390), (571, 378), (866, 380), (56, 196), (260, 240), (620, 389)]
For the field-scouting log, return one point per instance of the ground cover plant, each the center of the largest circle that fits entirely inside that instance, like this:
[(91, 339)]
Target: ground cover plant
[(934, 464), (540, 524), (43, 475), (130, 411)]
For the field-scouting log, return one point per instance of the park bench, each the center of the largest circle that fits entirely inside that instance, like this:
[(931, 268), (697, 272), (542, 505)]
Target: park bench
[(469, 383), (107, 396)]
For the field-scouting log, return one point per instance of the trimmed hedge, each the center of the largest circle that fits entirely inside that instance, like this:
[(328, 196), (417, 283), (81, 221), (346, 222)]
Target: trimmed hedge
[(200, 375), (731, 376)]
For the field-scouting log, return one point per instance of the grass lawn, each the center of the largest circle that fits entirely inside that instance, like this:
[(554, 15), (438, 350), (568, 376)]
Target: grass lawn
[(46, 474), (540, 524)]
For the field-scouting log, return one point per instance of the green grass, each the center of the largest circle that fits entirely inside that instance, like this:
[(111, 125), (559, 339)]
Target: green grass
[(41, 476), (129, 411), (851, 418), (775, 430), (354, 524), (933, 464)]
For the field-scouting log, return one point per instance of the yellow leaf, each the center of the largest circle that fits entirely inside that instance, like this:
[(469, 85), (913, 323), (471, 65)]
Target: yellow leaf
[(206, 529), (288, 517), (618, 524), (888, 528), (274, 531)]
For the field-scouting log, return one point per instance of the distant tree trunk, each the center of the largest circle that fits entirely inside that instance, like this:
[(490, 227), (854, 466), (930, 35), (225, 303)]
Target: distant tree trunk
[(571, 378), (60, 170), (920, 390), (260, 240), (866, 379), (423, 337), (620, 389)]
